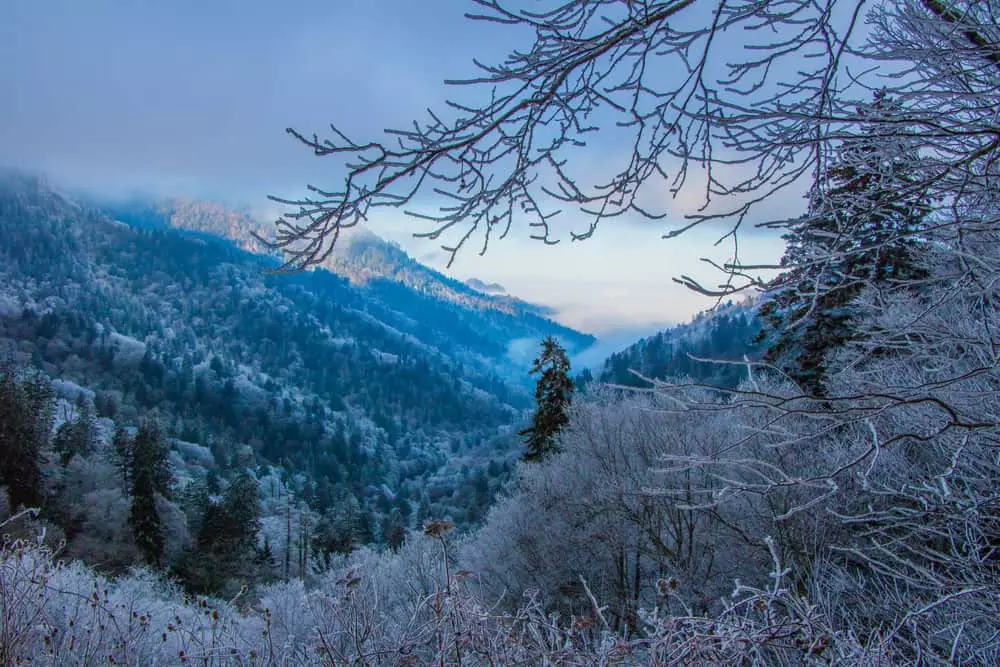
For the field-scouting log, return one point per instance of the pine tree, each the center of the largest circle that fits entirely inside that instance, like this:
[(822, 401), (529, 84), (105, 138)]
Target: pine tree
[(26, 411), (150, 476), (144, 519), (553, 395), (861, 229), (241, 506)]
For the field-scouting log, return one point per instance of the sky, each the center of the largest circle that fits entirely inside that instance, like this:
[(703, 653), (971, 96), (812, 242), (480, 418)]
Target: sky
[(192, 97)]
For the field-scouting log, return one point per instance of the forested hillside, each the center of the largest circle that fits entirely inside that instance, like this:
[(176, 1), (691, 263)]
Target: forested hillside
[(372, 419), (445, 309), (698, 350)]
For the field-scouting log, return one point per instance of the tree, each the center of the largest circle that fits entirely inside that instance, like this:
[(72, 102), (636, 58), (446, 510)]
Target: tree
[(123, 448), (861, 231), (732, 125), (151, 477), (226, 548), (26, 412), (553, 394), (241, 506), (506, 157)]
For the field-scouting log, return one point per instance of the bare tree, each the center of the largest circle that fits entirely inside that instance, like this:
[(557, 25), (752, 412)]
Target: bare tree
[(741, 124), (689, 111)]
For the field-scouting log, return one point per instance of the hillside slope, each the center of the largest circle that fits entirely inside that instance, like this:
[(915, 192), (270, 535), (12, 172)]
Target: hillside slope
[(475, 326), (724, 334), (389, 396)]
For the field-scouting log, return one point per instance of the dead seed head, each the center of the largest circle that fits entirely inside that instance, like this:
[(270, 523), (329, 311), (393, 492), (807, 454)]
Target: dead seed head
[(437, 528)]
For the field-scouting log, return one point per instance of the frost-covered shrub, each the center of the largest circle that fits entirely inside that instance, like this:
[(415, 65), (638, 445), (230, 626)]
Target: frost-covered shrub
[(405, 608), (105, 537), (54, 613)]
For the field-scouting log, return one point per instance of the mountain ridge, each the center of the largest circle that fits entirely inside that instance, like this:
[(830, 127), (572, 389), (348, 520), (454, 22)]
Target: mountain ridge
[(361, 255)]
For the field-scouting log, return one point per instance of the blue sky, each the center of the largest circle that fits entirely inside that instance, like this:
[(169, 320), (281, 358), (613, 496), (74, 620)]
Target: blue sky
[(191, 97)]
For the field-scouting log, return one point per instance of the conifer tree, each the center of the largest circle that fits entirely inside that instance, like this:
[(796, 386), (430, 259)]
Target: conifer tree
[(150, 474), (553, 395), (861, 230), (25, 422), (227, 551), (241, 506)]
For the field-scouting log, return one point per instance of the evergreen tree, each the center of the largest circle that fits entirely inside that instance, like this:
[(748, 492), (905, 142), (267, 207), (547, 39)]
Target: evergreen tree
[(25, 422), (144, 519), (553, 395), (860, 230), (241, 506), (150, 474), (227, 541), (265, 561)]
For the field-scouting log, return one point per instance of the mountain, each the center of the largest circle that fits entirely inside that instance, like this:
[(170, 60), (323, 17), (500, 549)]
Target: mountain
[(378, 392), (726, 333), (384, 272), (370, 261)]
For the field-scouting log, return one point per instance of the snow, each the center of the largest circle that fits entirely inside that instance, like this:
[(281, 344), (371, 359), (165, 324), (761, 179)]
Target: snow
[(10, 306)]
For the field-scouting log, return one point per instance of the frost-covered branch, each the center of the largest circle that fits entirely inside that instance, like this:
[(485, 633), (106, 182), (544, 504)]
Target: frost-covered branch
[(650, 75)]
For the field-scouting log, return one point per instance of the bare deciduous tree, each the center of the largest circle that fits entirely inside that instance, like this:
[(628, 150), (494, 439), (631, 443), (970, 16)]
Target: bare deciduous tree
[(690, 112)]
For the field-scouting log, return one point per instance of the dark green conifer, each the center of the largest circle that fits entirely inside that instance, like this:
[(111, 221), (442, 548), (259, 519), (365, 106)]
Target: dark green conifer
[(553, 395), (241, 506), (227, 551), (26, 411), (150, 475), (122, 444)]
